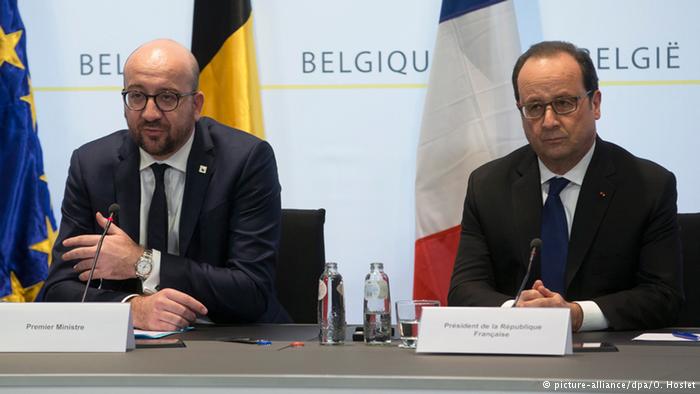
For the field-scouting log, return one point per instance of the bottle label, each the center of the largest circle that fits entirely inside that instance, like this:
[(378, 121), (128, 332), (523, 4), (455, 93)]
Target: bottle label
[(322, 290), (341, 289), (376, 289)]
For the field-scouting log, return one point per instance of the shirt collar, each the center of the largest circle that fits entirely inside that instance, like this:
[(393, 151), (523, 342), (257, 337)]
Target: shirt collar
[(574, 175), (177, 161)]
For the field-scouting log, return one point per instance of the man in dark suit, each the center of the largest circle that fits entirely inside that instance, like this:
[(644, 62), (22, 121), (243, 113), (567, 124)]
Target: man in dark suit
[(198, 229), (607, 219)]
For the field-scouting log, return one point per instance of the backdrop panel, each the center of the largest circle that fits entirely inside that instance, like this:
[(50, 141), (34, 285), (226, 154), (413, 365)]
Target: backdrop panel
[(343, 88)]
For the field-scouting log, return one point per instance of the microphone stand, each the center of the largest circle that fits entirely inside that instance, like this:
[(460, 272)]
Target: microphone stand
[(534, 245), (113, 209)]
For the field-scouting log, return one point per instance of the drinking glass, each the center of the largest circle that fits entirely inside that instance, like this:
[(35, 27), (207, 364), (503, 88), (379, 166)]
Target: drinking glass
[(408, 315)]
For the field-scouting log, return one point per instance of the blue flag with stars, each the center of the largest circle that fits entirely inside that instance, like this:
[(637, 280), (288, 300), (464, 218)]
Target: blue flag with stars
[(27, 225)]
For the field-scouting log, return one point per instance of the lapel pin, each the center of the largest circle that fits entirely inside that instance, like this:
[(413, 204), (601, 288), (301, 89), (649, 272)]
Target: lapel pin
[(202, 169), (602, 194)]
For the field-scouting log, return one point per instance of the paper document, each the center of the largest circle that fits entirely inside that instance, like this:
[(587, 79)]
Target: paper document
[(661, 337), (143, 334)]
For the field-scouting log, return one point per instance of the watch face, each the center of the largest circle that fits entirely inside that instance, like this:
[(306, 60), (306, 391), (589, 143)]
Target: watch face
[(143, 267)]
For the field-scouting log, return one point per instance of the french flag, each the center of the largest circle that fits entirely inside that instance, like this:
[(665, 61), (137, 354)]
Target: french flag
[(470, 118)]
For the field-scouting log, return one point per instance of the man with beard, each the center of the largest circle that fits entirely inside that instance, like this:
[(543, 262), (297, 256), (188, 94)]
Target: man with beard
[(199, 221)]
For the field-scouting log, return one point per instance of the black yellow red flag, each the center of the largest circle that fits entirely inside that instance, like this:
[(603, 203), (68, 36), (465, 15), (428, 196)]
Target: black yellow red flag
[(222, 42)]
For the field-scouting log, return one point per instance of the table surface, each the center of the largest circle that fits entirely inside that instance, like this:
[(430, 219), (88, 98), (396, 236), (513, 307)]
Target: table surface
[(208, 362)]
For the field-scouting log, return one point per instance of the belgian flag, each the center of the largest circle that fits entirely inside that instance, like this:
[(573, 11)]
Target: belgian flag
[(222, 42)]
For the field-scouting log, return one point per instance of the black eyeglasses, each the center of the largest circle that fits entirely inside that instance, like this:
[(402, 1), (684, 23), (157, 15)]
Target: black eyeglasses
[(166, 101), (560, 105)]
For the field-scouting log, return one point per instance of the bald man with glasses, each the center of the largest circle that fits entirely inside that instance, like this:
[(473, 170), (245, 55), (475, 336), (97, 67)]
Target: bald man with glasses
[(607, 220), (199, 225)]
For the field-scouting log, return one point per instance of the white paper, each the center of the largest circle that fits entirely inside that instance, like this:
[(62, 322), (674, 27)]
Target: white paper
[(661, 337), (145, 334)]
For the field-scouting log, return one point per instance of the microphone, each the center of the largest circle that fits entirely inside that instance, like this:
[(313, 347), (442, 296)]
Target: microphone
[(535, 244), (113, 212)]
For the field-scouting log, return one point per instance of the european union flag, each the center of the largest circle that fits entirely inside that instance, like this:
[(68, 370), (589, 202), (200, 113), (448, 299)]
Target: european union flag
[(27, 225)]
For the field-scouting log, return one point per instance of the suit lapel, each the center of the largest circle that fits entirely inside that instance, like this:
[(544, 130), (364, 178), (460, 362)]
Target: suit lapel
[(526, 196), (127, 186), (200, 168), (593, 201)]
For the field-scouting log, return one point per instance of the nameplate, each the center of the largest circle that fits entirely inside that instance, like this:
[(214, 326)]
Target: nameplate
[(531, 331), (66, 327)]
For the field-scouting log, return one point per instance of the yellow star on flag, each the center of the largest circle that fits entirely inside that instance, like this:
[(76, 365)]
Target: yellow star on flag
[(8, 42), (28, 294), (20, 293), (29, 99), (46, 245)]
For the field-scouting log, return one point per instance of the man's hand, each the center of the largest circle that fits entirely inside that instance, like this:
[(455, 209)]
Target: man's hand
[(541, 297), (166, 310), (117, 259)]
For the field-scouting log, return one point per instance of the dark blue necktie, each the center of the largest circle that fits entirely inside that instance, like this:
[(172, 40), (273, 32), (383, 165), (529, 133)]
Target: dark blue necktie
[(157, 235), (555, 238)]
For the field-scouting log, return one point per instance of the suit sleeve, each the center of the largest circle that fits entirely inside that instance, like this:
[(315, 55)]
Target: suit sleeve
[(238, 289), (473, 282), (656, 298), (78, 217)]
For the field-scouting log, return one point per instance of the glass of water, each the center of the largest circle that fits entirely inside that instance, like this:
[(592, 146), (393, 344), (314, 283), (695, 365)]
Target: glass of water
[(408, 314)]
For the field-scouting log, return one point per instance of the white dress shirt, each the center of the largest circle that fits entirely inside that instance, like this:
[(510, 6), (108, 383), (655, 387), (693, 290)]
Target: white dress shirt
[(174, 180)]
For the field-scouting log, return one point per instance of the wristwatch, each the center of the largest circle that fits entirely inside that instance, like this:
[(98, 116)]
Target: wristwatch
[(144, 264)]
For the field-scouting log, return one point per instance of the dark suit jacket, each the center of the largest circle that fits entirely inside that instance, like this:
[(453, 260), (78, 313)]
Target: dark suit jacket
[(229, 225), (624, 246)]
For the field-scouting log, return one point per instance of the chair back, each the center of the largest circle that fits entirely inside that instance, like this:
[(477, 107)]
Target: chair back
[(300, 262), (690, 238)]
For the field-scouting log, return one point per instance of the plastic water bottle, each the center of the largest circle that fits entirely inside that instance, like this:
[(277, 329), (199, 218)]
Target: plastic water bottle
[(377, 303), (331, 306)]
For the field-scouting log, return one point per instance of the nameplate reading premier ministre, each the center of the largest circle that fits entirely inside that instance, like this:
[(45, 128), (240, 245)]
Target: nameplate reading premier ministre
[(66, 327), (533, 331), (57, 326)]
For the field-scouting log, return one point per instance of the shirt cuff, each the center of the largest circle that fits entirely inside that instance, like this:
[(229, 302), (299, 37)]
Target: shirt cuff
[(130, 296), (593, 318), (150, 285)]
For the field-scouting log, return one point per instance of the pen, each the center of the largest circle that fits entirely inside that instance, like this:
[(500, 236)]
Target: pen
[(686, 335), (293, 345), (251, 341)]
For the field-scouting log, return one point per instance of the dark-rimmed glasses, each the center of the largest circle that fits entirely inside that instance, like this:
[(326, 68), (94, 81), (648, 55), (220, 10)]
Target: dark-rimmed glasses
[(166, 101), (560, 105)]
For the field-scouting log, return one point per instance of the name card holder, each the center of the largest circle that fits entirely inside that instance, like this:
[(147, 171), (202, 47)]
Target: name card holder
[(66, 327), (477, 330)]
